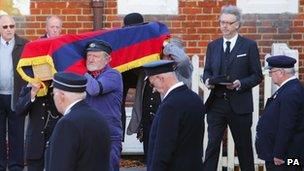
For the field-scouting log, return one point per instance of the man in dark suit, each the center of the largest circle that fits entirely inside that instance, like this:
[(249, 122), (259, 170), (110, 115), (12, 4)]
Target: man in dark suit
[(280, 130), (177, 132), (232, 69), (43, 116), (11, 47), (81, 139)]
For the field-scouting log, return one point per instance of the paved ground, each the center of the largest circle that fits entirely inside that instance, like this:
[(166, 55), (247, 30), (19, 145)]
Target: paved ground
[(122, 169), (133, 169)]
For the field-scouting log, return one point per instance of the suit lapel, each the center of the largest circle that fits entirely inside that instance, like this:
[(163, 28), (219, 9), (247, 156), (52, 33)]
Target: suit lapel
[(237, 46), (218, 55)]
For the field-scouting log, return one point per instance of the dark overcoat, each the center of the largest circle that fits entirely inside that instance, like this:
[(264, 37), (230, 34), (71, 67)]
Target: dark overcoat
[(280, 130), (176, 138), (80, 141)]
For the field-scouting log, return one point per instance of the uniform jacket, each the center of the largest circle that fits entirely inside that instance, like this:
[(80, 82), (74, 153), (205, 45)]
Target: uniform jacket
[(183, 72), (105, 94), (243, 65), (80, 141), (280, 130), (43, 116), (18, 82), (176, 138)]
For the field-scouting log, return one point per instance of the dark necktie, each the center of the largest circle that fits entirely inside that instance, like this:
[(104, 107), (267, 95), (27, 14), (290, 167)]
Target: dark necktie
[(7, 43), (227, 50)]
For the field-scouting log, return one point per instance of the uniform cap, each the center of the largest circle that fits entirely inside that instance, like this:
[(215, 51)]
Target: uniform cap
[(99, 45), (70, 82), (280, 61), (159, 67)]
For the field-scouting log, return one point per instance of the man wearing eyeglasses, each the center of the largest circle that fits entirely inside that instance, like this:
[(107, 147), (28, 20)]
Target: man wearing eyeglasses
[(11, 47), (280, 130), (232, 69)]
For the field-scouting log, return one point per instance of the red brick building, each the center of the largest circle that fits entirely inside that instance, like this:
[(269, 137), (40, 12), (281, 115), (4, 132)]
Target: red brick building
[(196, 23)]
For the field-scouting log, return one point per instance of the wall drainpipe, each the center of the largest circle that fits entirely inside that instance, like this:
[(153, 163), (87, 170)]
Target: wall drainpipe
[(97, 6)]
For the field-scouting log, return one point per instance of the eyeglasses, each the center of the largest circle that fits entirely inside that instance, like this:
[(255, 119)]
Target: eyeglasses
[(273, 71), (227, 22), (10, 26)]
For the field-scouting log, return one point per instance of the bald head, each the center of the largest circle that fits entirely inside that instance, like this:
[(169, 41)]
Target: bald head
[(7, 27), (53, 26)]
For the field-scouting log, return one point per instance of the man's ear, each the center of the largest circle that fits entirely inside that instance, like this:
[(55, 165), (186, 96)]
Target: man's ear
[(161, 78), (61, 97)]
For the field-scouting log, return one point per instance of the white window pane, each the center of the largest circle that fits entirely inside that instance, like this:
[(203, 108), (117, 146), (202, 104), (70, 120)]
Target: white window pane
[(268, 6), (154, 7)]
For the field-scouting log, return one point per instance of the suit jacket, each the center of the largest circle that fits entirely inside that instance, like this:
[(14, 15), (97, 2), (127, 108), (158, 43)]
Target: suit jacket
[(243, 64), (80, 141), (18, 82), (43, 116), (280, 130), (176, 138)]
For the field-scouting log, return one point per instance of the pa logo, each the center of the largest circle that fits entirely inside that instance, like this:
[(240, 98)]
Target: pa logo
[(293, 162)]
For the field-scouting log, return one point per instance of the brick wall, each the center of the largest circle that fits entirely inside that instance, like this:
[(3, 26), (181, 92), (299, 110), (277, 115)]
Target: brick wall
[(77, 17), (197, 23)]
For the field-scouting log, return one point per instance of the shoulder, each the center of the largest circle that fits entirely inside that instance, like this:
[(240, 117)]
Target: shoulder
[(112, 71), (66, 123), (215, 42), (182, 95), (293, 92), (20, 40), (294, 88), (247, 40), (83, 108), (111, 74)]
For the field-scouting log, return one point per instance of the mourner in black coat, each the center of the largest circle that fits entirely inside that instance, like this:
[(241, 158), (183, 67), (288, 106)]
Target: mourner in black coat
[(43, 116), (81, 140), (230, 102), (280, 130), (176, 138)]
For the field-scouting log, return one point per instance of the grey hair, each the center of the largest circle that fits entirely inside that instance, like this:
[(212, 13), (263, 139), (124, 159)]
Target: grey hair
[(291, 71), (74, 95), (106, 55), (10, 17), (53, 16), (231, 9)]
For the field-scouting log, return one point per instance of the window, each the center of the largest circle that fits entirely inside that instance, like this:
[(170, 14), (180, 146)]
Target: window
[(268, 6), (152, 7)]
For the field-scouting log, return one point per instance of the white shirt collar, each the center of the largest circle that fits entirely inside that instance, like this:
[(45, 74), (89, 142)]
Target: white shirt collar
[(173, 87), (4, 42), (68, 109), (291, 78), (232, 40)]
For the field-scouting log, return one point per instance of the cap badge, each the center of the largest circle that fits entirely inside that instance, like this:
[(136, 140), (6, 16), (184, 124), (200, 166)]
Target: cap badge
[(92, 45)]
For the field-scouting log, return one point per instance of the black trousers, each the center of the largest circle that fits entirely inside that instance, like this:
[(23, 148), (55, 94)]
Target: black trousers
[(35, 165), (146, 135), (219, 116), (13, 124), (270, 166)]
